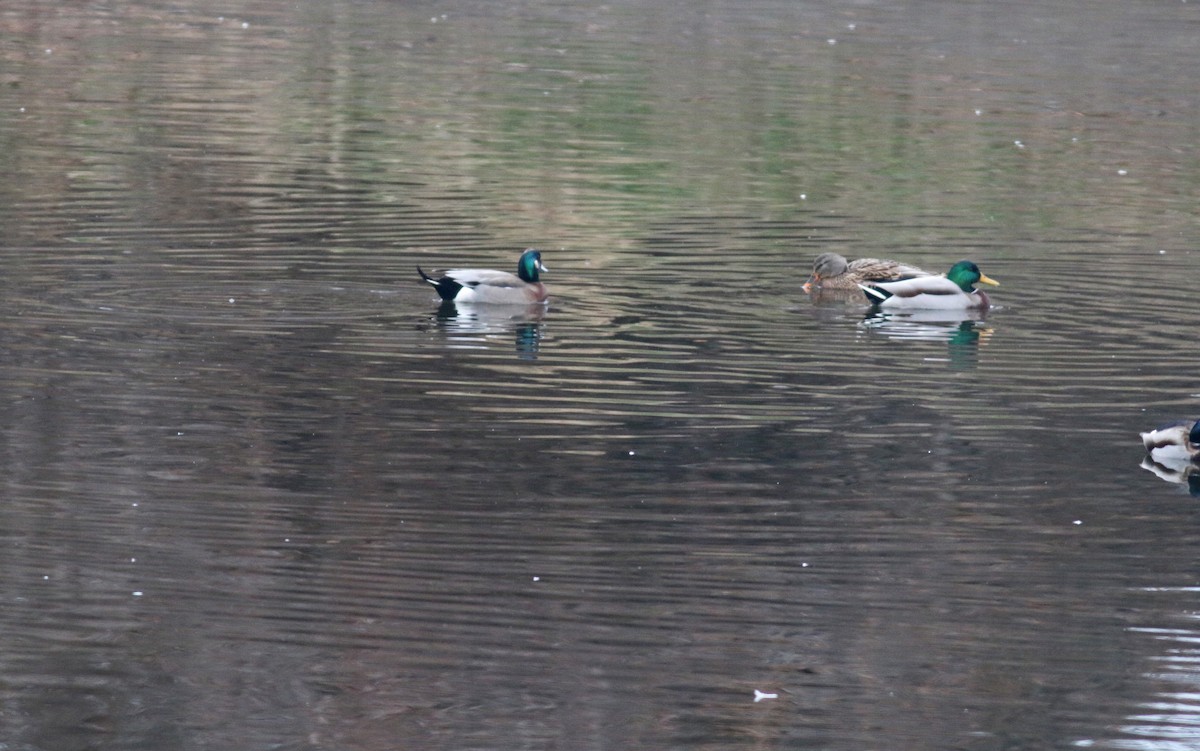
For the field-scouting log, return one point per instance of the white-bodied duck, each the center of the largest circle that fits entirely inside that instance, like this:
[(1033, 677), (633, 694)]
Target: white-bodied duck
[(953, 291), (1174, 442), (490, 286)]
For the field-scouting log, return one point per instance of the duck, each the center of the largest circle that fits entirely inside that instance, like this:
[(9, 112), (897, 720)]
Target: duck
[(833, 271), (490, 286), (955, 290), (1174, 443)]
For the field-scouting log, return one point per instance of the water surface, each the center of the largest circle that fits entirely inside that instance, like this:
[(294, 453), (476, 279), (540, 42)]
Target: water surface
[(262, 491)]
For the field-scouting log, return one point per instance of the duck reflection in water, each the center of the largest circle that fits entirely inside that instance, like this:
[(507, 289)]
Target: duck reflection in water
[(963, 331), (471, 326), (1187, 474), (1173, 453)]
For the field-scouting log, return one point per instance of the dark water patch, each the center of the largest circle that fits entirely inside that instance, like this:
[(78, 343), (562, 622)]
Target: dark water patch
[(263, 488)]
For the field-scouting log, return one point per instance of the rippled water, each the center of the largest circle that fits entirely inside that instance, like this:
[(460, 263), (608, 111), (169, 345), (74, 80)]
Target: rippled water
[(262, 491)]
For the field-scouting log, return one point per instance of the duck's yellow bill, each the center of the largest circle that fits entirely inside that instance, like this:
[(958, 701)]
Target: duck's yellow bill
[(988, 280)]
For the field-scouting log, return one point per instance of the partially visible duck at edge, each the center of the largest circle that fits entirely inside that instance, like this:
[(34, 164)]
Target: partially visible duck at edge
[(953, 291), (490, 286), (833, 271), (1174, 443)]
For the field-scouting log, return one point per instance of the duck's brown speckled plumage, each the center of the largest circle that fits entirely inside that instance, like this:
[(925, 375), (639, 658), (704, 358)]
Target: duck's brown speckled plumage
[(832, 271)]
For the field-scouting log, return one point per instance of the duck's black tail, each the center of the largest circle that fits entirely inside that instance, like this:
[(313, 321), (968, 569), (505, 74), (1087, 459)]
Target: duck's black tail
[(875, 295), (446, 287)]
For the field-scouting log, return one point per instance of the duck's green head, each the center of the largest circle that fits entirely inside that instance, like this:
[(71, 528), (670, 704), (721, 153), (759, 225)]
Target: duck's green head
[(529, 265), (966, 275)]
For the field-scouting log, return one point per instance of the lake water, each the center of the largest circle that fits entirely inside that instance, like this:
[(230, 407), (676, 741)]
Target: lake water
[(260, 491)]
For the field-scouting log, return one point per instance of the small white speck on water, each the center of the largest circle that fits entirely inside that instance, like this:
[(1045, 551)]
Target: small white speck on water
[(134, 505), (978, 113), (852, 26), (231, 301), (1018, 144), (49, 51), (831, 41), (762, 695), (137, 593), (46, 578), (632, 453), (1077, 522), (245, 24), (1122, 172), (1162, 252), (803, 196), (537, 578)]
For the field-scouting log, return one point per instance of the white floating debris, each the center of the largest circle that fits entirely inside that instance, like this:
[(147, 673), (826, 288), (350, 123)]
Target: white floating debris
[(537, 578), (1018, 144), (803, 196), (1077, 522), (231, 301), (137, 593), (762, 695), (978, 113), (1122, 172), (245, 24), (831, 41), (632, 453)]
